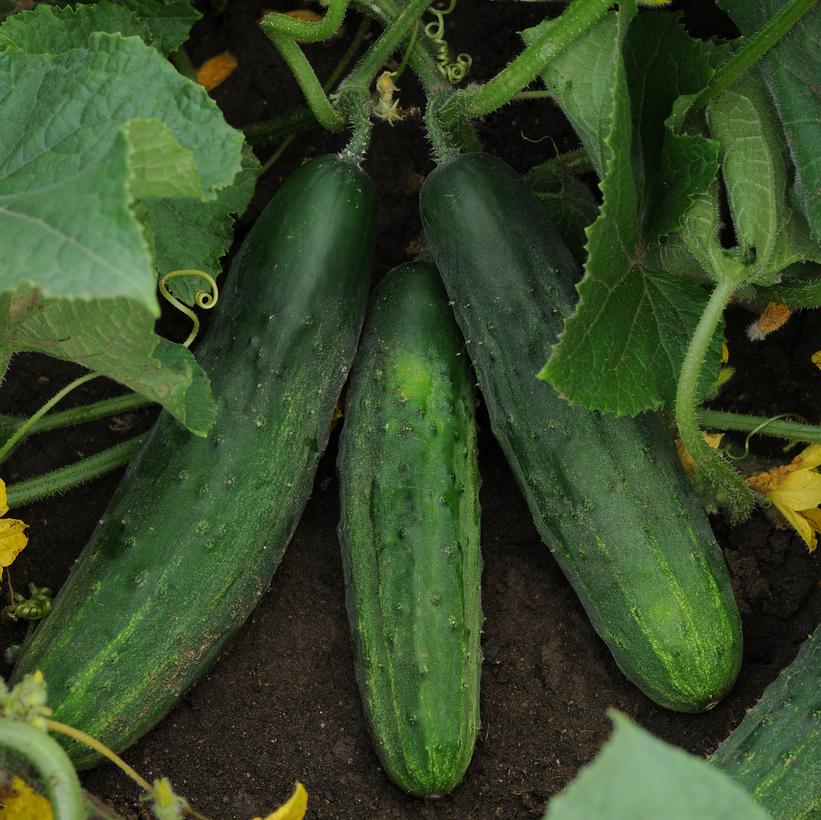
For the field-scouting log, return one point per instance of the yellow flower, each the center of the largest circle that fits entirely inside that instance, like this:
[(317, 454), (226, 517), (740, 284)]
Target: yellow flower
[(294, 809), (816, 359), (18, 801), (216, 70), (794, 489), (12, 533)]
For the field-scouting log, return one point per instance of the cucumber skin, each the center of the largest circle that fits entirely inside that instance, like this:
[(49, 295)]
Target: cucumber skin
[(409, 531), (775, 752), (608, 495), (196, 528)]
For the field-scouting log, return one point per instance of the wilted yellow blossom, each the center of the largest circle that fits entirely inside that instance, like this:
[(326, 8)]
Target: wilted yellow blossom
[(794, 489)]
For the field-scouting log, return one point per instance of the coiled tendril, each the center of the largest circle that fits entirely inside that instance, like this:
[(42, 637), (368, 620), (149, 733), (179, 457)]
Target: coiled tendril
[(205, 299), (453, 70)]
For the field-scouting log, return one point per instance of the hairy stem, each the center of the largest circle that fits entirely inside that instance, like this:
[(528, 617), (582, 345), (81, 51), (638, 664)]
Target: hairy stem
[(752, 50), (479, 100), (44, 755), (726, 481), (25, 428), (33, 489), (306, 77), (778, 428), (306, 31), (79, 415), (387, 42)]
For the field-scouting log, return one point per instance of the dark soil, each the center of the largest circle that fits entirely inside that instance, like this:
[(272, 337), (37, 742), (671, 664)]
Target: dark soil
[(282, 703)]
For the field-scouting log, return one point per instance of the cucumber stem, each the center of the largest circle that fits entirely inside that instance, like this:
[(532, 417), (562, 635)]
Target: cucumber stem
[(51, 763), (24, 429), (793, 431), (78, 415), (479, 100), (753, 50), (307, 31), (33, 489), (305, 76), (388, 41), (724, 478)]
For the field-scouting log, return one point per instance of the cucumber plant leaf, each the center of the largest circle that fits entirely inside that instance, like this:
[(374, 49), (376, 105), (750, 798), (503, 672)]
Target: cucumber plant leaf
[(567, 200), (791, 71), (93, 137), (164, 24), (622, 349), (190, 234), (637, 775)]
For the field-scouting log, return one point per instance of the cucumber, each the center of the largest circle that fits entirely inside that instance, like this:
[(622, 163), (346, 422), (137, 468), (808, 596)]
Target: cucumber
[(409, 531), (775, 752), (197, 526), (608, 495)]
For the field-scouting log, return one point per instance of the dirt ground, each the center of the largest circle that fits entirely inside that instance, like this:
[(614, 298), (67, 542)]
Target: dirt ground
[(282, 702)]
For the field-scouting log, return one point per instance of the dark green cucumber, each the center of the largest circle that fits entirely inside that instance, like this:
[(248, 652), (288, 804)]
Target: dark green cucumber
[(775, 752), (197, 527), (607, 495), (409, 532)]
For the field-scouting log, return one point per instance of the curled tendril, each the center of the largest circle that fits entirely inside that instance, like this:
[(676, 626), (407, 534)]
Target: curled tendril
[(205, 299), (456, 70), (746, 452)]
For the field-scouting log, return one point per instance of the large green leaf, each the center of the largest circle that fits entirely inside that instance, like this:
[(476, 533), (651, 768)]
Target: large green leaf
[(52, 29), (91, 137), (638, 777), (622, 350), (792, 70)]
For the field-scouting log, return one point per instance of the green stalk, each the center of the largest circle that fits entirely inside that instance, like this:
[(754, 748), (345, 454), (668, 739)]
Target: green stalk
[(752, 50), (307, 31), (77, 415), (724, 478), (51, 763), (359, 113), (387, 42), (306, 77), (339, 69), (286, 125), (479, 100), (64, 478), (778, 428), (25, 428), (182, 62)]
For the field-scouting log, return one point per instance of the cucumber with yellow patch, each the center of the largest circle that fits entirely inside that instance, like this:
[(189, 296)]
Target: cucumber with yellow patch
[(409, 531)]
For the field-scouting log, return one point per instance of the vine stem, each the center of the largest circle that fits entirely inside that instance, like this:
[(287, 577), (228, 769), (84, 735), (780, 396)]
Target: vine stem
[(24, 429), (719, 472), (387, 42), (790, 430), (306, 77), (100, 748), (79, 415), (752, 50), (43, 754), (307, 31), (26, 492), (479, 100)]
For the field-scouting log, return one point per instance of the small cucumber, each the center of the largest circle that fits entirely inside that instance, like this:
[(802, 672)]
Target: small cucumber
[(409, 532)]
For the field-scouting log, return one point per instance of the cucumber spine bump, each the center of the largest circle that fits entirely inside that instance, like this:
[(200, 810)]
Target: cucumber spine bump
[(197, 527), (409, 531), (607, 495)]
